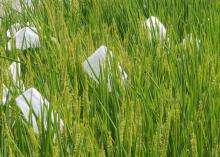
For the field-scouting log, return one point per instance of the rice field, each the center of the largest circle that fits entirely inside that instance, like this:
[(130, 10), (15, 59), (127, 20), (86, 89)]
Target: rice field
[(110, 78)]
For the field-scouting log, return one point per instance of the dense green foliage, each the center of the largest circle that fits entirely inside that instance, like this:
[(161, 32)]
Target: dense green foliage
[(169, 106)]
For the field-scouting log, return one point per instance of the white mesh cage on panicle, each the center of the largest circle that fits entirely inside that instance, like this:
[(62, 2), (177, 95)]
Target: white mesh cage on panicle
[(32, 98), (97, 62), (156, 30), (25, 38)]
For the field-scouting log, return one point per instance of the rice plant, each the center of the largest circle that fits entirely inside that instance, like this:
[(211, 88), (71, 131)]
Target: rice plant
[(110, 78)]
